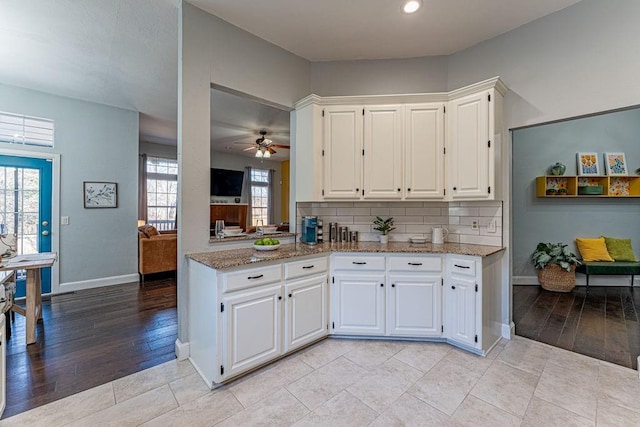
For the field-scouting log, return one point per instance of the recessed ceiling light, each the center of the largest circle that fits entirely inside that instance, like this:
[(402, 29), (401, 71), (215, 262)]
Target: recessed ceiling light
[(411, 6)]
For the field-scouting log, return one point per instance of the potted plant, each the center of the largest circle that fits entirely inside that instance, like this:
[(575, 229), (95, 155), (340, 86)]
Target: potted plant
[(551, 191), (556, 266), (384, 226), (562, 192)]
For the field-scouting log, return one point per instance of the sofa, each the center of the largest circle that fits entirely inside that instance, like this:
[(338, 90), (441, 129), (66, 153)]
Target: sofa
[(157, 250)]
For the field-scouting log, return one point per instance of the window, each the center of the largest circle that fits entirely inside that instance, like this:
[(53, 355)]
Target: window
[(17, 129), (162, 192), (259, 196)]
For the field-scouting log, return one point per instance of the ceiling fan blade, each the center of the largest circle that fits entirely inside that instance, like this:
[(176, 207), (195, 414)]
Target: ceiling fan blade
[(280, 146), (250, 148), (271, 150)]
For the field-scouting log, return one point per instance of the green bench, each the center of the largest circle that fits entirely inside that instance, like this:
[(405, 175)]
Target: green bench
[(616, 268)]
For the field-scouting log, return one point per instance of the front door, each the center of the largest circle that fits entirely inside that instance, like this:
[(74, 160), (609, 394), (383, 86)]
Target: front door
[(25, 209)]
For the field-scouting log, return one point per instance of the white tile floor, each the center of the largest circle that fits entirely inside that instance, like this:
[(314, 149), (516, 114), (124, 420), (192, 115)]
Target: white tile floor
[(381, 383)]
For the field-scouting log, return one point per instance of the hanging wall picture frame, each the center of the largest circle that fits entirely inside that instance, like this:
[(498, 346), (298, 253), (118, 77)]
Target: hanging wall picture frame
[(588, 163), (100, 194), (616, 164)]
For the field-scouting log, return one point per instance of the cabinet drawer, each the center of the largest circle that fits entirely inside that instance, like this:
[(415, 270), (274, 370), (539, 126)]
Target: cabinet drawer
[(415, 263), (251, 278), (464, 267), (355, 262), (305, 267)]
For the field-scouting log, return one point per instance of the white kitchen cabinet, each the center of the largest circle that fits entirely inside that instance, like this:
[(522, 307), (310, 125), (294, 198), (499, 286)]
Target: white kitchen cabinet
[(358, 294), (414, 295), (305, 311), (240, 319), (414, 307), (461, 296), (474, 134), (306, 308), (358, 304), (424, 160), (342, 152), (243, 318), (383, 145), (449, 145), (251, 322), (472, 294)]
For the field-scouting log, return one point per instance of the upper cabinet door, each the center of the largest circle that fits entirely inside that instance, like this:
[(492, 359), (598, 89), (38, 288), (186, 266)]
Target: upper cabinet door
[(469, 147), (342, 152), (424, 151), (383, 152)]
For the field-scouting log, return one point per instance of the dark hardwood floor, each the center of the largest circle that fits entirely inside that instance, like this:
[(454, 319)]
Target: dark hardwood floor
[(88, 338), (603, 324)]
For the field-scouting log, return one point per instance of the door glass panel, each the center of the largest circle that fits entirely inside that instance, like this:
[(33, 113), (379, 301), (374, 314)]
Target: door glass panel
[(20, 206)]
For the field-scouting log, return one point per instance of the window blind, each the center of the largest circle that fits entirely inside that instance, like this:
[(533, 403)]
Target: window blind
[(18, 129)]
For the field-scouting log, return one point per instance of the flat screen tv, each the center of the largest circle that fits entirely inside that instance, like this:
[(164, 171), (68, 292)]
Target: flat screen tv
[(226, 183)]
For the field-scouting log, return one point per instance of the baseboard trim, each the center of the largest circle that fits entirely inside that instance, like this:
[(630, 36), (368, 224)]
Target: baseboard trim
[(582, 281), (98, 283), (181, 349), (508, 331)]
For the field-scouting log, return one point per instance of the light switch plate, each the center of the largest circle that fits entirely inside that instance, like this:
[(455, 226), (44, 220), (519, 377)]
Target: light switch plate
[(64, 220), (491, 228)]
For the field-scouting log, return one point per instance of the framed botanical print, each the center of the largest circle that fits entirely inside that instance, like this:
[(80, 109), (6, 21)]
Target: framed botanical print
[(588, 164), (616, 164), (100, 194)]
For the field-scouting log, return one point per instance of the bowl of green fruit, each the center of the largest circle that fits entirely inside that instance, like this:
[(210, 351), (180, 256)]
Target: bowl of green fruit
[(266, 244)]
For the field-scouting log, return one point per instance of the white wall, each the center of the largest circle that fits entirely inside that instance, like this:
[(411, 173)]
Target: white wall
[(379, 77), (158, 150), (223, 160), (214, 51), (95, 143), (579, 60)]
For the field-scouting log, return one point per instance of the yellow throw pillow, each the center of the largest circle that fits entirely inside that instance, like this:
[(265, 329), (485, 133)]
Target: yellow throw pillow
[(593, 249)]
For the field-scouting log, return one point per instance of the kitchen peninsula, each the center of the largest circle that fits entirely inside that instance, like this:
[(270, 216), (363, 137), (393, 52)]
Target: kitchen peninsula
[(248, 308)]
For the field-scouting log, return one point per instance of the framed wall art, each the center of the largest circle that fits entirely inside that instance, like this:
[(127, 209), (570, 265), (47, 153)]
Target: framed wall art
[(100, 194), (588, 164), (616, 164)]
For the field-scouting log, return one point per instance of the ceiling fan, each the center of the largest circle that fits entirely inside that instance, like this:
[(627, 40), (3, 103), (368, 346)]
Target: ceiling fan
[(264, 146)]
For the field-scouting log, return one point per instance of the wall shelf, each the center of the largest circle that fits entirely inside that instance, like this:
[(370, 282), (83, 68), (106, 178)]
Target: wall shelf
[(623, 186)]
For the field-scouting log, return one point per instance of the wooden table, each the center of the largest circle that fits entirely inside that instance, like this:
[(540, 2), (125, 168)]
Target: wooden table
[(32, 263)]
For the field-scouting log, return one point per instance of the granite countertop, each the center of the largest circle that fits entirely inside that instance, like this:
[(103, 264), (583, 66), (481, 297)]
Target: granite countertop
[(251, 236), (222, 260)]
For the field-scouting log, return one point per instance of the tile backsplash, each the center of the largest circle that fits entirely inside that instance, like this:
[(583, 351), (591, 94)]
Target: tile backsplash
[(413, 219)]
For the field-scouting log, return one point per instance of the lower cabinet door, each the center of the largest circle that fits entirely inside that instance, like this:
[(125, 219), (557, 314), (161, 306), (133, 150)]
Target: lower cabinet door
[(305, 311), (414, 308), (251, 329), (358, 304), (460, 296)]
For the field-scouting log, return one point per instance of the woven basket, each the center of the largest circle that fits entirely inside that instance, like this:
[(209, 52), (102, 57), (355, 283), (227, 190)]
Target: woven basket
[(555, 278)]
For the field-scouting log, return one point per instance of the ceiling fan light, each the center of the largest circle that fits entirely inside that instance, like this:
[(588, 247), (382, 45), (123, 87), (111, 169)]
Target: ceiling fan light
[(411, 6), (259, 153), (266, 155)]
